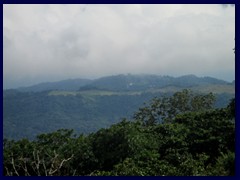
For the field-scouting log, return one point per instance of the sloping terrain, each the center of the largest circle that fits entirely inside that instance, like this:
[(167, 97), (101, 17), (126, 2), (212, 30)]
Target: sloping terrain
[(94, 104)]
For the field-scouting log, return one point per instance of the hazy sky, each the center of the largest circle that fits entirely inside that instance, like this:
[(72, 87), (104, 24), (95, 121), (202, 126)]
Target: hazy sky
[(55, 42)]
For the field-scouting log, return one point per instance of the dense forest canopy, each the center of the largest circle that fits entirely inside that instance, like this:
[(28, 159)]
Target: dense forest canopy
[(88, 105), (180, 135)]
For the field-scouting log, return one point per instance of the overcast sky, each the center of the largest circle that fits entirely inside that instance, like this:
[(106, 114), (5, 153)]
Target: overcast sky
[(45, 43)]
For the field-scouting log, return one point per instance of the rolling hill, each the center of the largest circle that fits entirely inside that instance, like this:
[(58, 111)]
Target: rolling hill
[(123, 82), (88, 105), (69, 85)]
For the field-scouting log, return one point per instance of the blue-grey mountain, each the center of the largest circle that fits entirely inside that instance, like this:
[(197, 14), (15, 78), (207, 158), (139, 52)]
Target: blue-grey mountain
[(88, 105)]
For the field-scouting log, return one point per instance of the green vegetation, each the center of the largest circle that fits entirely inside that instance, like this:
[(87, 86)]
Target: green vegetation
[(90, 92), (27, 114), (192, 138), (88, 105), (129, 82)]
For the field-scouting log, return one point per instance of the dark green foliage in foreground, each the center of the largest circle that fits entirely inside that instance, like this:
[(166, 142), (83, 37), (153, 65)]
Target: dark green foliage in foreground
[(191, 143)]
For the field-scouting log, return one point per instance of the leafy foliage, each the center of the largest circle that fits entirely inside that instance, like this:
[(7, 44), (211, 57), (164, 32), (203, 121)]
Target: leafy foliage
[(194, 142), (27, 114), (166, 108)]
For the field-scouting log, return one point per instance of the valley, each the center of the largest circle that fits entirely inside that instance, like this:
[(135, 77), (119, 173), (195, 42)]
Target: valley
[(95, 104)]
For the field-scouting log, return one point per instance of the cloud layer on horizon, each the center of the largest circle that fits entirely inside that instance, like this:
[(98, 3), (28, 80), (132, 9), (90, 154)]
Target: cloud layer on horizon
[(55, 42)]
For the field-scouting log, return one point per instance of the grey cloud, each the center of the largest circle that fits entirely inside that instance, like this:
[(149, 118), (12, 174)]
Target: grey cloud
[(6, 42), (54, 42), (227, 5), (70, 46)]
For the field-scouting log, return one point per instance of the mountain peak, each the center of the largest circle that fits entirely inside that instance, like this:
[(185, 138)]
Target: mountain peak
[(125, 82)]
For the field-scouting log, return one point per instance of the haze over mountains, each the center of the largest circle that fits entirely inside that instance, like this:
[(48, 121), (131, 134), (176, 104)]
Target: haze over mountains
[(88, 105), (123, 82)]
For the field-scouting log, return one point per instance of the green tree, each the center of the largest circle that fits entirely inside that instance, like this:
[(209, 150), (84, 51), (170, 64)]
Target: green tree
[(166, 108), (198, 141)]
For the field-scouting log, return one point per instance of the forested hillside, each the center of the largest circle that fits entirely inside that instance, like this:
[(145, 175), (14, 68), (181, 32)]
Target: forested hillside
[(179, 135), (95, 104), (29, 114), (127, 82), (70, 85)]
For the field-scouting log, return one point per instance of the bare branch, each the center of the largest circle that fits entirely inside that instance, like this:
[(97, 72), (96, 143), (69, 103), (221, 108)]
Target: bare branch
[(65, 160), (25, 167), (45, 169), (13, 164), (51, 172), (8, 174)]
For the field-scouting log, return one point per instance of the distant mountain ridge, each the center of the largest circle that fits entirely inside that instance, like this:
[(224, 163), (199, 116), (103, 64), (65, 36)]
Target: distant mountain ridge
[(68, 85), (123, 82)]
